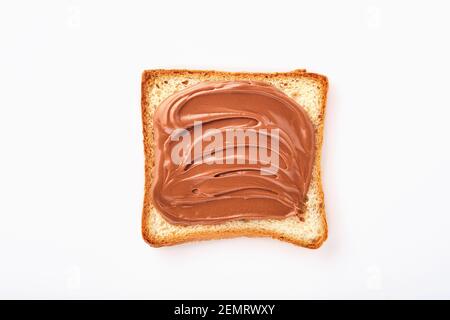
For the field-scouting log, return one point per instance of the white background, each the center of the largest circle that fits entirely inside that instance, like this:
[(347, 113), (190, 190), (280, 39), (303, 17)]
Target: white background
[(72, 161)]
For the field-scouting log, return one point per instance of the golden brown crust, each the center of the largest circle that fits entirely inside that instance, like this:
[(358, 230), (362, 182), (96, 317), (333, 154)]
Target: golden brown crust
[(148, 79)]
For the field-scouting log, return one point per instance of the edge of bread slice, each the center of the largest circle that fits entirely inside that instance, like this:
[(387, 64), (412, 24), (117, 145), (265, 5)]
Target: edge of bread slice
[(308, 89)]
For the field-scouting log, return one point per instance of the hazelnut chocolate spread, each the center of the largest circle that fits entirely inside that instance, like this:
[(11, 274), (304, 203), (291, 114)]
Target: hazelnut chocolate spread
[(222, 185)]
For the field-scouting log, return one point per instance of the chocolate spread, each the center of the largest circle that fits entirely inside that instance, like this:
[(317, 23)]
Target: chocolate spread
[(224, 184)]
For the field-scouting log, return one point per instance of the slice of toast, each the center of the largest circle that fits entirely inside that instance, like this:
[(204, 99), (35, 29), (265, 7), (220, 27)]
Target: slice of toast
[(308, 89)]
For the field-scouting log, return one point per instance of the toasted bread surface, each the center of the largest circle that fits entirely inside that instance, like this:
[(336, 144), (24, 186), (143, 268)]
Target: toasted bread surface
[(308, 89)]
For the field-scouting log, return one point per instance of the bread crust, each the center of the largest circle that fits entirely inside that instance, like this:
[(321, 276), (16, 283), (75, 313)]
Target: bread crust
[(148, 80)]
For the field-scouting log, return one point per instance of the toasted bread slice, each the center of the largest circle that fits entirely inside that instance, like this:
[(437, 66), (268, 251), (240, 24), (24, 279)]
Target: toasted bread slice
[(308, 89)]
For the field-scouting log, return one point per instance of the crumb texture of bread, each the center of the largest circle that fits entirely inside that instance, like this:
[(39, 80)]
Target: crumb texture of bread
[(308, 89)]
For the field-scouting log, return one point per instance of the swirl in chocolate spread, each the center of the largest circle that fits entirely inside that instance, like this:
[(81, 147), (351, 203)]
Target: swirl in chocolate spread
[(224, 184)]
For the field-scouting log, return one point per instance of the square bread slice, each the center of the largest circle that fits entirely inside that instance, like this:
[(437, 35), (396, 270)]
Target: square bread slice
[(308, 89)]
